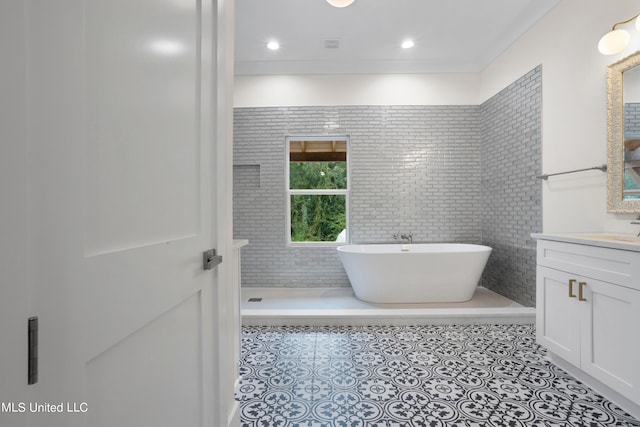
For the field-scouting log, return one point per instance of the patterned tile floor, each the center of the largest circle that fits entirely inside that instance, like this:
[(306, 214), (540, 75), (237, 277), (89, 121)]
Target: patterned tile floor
[(474, 375)]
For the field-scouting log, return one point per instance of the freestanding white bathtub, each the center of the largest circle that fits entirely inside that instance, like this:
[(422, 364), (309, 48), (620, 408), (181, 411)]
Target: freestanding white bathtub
[(416, 273)]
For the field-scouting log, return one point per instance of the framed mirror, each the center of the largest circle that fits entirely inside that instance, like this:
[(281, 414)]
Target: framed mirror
[(623, 96)]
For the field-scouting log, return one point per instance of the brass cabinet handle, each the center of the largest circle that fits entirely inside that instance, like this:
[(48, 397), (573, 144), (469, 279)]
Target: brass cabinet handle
[(571, 282), (580, 286)]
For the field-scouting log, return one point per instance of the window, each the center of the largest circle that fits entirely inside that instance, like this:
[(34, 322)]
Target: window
[(317, 189)]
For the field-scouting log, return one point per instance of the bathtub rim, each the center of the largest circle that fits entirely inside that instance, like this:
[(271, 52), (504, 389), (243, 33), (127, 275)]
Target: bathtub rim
[(395, 248)]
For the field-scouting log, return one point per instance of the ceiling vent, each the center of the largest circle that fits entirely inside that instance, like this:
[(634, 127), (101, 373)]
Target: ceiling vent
[(332, 44)]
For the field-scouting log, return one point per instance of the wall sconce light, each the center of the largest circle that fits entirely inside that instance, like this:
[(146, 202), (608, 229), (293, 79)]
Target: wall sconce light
[(615, 41), (340, 3)]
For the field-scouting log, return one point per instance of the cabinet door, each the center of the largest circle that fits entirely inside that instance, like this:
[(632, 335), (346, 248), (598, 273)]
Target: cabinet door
[(557, 325), (610, 321)]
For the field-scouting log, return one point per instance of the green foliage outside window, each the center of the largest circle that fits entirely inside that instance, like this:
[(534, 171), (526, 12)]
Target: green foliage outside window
[(315, 217), (317, 175)]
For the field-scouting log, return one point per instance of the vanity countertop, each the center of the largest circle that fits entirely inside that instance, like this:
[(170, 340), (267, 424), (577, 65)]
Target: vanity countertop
[(626, 242)]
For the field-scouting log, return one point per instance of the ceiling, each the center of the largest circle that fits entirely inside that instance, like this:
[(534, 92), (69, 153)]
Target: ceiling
[(451, 36)]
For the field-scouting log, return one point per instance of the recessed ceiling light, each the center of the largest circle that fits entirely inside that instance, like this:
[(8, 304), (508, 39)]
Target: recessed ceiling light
[(273, 45), (340, 3), (408, 44)]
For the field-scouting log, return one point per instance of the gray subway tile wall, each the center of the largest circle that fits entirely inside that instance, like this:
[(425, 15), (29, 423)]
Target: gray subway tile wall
[(511, 193), (414, 169)]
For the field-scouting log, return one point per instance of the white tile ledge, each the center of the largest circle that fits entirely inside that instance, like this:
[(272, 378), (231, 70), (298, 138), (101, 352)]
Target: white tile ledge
[(464, 316), (431, 312), (338, 306)]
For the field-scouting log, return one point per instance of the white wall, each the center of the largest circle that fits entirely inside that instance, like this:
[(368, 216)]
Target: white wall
[(574, 113), (369, 89)]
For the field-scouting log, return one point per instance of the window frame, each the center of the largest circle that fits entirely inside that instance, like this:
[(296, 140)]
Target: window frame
[(292, 192)]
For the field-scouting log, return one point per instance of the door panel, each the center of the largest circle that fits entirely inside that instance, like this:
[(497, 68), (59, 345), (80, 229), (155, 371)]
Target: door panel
[(610, 347), (126, 290), (144, 365), (556, 322), (142, 154)]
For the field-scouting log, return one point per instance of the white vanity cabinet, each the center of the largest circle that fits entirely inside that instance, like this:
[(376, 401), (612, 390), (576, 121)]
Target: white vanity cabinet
[(588, 310)]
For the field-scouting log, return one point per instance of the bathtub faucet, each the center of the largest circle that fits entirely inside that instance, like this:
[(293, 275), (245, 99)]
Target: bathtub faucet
[(407, 237)]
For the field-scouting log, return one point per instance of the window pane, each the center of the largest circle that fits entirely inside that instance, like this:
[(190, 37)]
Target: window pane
[(317, 175), (317, 218)]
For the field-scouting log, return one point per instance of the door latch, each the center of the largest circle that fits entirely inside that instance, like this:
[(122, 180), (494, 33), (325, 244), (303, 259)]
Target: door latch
[(210, 259), (32, 343)]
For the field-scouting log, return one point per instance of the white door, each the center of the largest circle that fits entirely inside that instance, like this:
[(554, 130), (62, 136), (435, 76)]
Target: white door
[(121, 175)]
